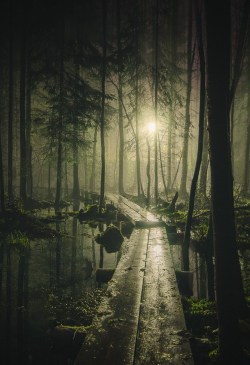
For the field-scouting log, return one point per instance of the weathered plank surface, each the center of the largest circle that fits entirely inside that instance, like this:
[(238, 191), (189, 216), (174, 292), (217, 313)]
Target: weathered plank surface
[(113, 338), (162, 335), (140, 320), (140, 217)]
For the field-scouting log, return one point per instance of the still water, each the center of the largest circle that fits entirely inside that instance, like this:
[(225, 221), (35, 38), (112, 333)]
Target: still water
[(52, 282), (46, 283)]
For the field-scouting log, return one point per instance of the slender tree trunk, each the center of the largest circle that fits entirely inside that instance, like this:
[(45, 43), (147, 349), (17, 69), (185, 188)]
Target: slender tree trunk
[(187, 235), (23, 146), (2, 189), (120, 98), (2, 198), (156, 98), (169, 154), (92, 177), (148, 174), (162, 170), (204, 166), (209, 253), (245, 186), (104, 51), (183, 184), (60, 124), (229, 290), (137, 136), (28, 131), (10, 108), (76, 187)]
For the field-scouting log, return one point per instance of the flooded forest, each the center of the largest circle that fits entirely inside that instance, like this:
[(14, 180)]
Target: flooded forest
[(104, 102)]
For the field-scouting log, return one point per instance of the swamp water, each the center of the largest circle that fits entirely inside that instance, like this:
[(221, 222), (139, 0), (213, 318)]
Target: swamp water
[(52, 282), (46, 283)]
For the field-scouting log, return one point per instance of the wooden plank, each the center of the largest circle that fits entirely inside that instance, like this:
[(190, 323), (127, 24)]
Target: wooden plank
[(162, 335), (140, 217), (113, 336)]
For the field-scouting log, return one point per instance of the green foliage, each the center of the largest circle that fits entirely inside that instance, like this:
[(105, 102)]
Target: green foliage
[(75, 311), (18, 239)]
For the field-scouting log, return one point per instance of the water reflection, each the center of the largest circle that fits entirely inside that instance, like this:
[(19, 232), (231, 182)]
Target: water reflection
[(33, 276)]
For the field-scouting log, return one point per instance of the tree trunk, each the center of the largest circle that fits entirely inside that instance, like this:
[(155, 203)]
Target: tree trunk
[(28, 131), (245, 186), (190, 57), (2, 198), (10, 108), (162, 170), (60, 125), (23, 148), (156, 64), (209, 253), (104, 51), (137, 138), (186, 241), (92, 177), (148, 175), (229, 290), (204, 166), (120, 98)]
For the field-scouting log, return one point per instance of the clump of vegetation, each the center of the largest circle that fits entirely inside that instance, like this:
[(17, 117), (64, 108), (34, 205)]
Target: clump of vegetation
[(201, 321), (19, 221), (74, 311)]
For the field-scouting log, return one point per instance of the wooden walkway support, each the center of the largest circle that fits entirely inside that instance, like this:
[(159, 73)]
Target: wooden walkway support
[(140, 320)]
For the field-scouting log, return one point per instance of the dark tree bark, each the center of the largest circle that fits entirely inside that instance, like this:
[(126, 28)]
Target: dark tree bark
[(76, 185), (92, 176), (245, 186), (190, 58), (228, 283), (156, 65), (204, 166), (187, 235), (162, 170), (148, 175), (10, 108), (209, 254), (102, 124), (28, 128), (60, 123), (23, 146), (2, 198), (137, 137), (120, 98)]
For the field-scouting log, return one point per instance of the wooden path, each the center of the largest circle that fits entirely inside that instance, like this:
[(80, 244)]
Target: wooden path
[(140, 320)]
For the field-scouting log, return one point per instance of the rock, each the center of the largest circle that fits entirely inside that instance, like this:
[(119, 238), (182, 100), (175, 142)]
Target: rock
[(111, 238)]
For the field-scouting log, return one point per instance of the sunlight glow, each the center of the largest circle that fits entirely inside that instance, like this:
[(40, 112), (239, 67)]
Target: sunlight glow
[(151, 127)]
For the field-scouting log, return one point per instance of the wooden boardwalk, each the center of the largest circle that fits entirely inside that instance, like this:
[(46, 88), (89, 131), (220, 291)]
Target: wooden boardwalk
[(140, 320)]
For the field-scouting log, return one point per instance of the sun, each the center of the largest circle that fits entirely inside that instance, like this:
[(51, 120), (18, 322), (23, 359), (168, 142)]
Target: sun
[(151, 127)]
